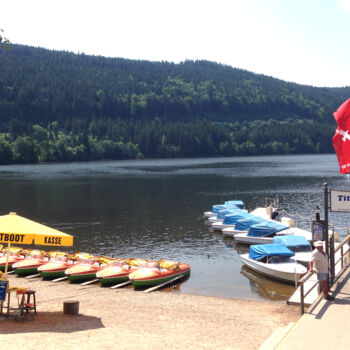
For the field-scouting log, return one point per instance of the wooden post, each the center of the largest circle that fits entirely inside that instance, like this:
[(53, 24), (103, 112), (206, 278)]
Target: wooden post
[(302, 298), (71, 307)]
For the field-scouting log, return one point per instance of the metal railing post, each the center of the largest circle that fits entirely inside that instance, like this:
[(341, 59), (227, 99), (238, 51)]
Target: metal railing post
[(302, 298), (342, 257)]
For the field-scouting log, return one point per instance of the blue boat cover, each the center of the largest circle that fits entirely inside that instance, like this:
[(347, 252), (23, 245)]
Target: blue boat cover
[(260, 251), (217, 207), (231, 219), (265, 228), (247, 223), (222, 213), (239, 204), (291, 241)]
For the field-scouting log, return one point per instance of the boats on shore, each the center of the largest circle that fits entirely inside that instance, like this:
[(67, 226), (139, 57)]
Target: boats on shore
[(31, 262), (16, 254), (164, 272), (119, 271), (274, 260), (60, 262), (86, 270)]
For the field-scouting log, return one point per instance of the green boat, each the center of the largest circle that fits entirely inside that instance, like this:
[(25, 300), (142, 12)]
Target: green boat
[(54, 269), (145, 277), (82, 272)]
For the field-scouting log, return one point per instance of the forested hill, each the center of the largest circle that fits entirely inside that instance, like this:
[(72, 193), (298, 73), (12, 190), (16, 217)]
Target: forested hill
[(40, 85), (62, 106)]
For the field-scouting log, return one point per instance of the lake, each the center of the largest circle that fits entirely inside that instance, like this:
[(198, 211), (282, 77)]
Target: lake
[(154, 208)]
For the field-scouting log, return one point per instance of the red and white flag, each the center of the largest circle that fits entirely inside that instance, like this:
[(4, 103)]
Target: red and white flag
[(341, 138)]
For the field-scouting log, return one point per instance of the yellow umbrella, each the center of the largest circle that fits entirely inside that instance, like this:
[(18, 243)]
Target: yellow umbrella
[(19, 230)]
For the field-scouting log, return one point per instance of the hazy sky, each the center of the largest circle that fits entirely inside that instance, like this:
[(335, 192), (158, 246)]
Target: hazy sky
[(304, 41)]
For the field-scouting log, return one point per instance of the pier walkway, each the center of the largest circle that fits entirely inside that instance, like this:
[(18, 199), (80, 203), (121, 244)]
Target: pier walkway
[(326, 325)]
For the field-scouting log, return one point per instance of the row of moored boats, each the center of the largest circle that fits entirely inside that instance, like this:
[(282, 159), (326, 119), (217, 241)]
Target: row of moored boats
[(84, 267), (277, 249)]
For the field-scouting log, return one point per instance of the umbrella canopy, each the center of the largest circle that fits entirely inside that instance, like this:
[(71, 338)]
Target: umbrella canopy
[(19, 230)]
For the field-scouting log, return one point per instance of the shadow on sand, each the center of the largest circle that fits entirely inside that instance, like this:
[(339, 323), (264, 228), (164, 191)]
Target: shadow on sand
[(50, 322)]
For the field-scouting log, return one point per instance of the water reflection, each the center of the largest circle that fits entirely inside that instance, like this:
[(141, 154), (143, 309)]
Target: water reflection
[(267, 287), (154, 207)]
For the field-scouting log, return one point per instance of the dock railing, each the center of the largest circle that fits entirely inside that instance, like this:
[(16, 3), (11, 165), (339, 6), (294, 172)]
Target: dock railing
[(343, 265)]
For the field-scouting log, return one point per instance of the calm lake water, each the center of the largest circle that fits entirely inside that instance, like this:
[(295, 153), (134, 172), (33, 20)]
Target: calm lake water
[(155, 208)]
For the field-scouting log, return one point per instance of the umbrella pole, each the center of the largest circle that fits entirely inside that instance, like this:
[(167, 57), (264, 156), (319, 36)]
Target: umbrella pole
[(7, 261)]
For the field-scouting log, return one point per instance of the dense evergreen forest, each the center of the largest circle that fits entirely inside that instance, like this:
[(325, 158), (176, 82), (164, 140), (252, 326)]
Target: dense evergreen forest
[(60, 106)]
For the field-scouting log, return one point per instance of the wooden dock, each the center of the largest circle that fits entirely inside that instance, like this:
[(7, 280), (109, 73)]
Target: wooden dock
[(325, 325), (312, 281), (310, 298)]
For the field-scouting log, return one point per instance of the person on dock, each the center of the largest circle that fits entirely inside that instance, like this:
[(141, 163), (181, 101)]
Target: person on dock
[(319, 262)]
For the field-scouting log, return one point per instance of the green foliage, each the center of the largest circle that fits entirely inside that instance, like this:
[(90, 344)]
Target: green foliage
[(58, 106), (4, 43), (120, 139)]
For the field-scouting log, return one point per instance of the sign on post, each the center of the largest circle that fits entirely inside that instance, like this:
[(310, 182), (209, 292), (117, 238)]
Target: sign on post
[(340, 201), (3, 289), (318, 231)]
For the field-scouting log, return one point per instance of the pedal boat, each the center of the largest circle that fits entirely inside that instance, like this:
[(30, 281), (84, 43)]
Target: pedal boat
[(84, 271), (59, 262), (118, 271), (16, 254), (31, 262), (165, 271), (274, 260)]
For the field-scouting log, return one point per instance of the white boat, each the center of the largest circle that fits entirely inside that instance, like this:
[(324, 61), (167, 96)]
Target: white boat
[(230, 220), (274, 260), (298, 244), (228, 204), (219, 218), (261, 233), (242, 225)]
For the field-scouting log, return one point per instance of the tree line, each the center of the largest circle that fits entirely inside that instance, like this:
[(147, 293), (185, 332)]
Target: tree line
[(60, 106), (99, 139), (41, 86)]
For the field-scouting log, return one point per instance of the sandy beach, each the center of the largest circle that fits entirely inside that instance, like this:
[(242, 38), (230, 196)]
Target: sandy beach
[(128, 319)]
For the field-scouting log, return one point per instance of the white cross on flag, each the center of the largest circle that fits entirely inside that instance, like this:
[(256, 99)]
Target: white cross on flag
[(341, 138)]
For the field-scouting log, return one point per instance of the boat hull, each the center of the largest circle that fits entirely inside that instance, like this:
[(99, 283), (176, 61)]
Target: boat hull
[(209, 214), (11, 260), (27, 266), (154, 278), (285, 272), (82, 277), (113, 280), (82, 272), (219, 226), (49, 274), (52, 269), (245, 239), (231, 232)]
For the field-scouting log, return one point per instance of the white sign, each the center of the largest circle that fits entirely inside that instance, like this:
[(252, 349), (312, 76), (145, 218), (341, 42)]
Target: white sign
[(340, 201)]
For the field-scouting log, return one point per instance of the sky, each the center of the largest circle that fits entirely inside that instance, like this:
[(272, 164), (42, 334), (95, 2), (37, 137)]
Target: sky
[(302, 41)]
